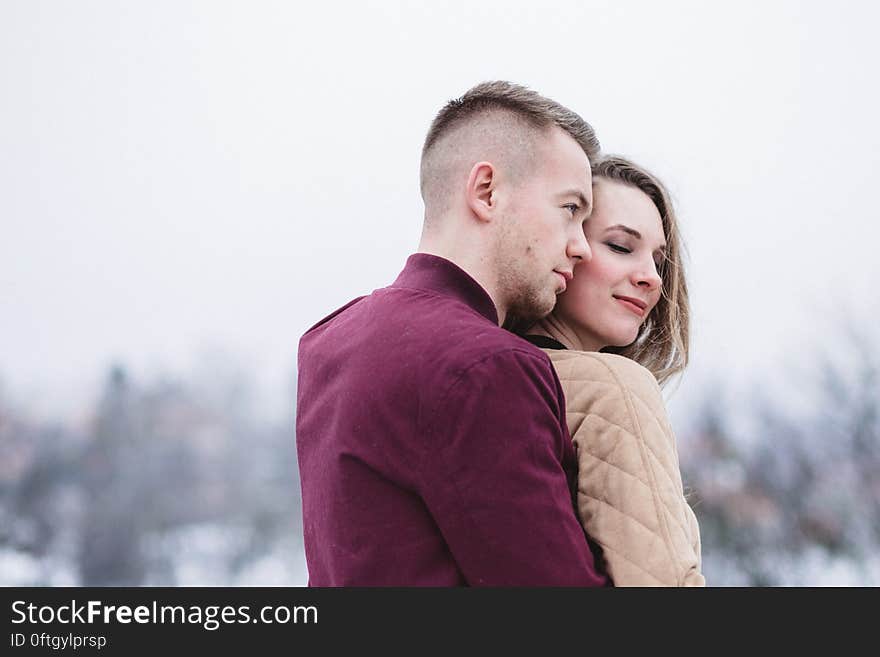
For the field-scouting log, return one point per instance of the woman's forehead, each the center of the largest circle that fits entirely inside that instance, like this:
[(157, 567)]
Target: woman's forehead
[(620, 206)]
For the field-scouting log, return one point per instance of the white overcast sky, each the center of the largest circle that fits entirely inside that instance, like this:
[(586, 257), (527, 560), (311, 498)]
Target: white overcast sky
[(185, 177)]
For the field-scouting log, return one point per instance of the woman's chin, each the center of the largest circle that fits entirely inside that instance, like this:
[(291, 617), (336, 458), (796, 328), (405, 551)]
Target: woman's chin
[(620, 341)]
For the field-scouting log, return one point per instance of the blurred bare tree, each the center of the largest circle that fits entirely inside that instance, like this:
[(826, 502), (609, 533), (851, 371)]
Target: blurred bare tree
[(803, 487), (167, 477)]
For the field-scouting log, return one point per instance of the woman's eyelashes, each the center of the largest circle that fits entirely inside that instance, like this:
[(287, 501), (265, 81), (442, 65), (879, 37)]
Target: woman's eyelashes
[(619, 248)]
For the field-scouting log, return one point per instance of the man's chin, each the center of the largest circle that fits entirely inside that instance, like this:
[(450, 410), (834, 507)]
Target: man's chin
[(534, 309)]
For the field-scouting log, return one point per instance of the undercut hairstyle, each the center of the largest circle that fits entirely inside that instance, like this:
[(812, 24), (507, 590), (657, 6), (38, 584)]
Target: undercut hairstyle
[(662, 343), (507, 117)]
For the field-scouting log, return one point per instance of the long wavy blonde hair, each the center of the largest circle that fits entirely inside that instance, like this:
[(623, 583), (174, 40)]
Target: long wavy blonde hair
[(663, 341)]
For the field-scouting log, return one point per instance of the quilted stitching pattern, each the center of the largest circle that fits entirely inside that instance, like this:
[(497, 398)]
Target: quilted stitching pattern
[(630, 495)]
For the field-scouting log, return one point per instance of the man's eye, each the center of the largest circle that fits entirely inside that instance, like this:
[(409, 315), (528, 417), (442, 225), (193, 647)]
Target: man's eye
[(617, 248), (572, 207)]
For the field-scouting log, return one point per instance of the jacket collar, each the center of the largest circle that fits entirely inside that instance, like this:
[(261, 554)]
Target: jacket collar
[(544, 342), (429, 272)]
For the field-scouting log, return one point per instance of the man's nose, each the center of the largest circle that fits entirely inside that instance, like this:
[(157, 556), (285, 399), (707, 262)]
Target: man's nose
[(578, 247)]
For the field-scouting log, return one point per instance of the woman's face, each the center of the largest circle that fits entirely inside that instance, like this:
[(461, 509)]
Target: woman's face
[(613, 293)]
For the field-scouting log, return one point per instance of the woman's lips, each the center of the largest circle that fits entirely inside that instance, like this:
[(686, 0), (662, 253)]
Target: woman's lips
[(631, 305)]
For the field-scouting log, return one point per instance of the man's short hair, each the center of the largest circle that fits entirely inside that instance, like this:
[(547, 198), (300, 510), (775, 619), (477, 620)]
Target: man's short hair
[(499, 103)]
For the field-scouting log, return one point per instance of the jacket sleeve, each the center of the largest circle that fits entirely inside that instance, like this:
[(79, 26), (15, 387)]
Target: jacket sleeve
[(630, 495), (494, 481)]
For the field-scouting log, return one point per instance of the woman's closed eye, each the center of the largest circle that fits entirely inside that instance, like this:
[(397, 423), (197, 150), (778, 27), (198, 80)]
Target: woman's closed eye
[(617, 248)]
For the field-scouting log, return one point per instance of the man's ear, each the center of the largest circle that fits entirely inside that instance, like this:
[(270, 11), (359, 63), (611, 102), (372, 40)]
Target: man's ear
[(480, 194)]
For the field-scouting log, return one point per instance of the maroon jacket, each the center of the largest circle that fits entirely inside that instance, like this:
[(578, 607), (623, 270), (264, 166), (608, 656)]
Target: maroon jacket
[(432, 444)]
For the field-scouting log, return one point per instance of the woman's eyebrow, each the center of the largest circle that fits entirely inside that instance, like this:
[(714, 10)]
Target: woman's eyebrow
[(625, 229)]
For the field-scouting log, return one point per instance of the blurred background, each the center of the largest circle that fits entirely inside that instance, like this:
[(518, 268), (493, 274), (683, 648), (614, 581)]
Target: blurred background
[(186, 187)]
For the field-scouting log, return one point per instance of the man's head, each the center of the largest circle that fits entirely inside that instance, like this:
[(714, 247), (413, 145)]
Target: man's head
[(505, 176)]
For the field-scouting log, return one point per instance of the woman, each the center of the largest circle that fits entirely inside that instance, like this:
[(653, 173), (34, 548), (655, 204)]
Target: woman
[(630, 302)]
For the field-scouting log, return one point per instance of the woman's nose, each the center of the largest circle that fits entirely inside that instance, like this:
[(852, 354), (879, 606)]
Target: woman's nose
[(648, 277)]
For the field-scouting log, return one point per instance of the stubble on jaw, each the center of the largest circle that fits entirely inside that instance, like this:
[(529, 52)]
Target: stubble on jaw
[(530, 307), (528, 294), (527, 298)]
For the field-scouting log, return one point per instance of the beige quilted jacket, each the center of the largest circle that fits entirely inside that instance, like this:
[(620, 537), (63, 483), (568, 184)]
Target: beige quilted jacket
[(630, 497)]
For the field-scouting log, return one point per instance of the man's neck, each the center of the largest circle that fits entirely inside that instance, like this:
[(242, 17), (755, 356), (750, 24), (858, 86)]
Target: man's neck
[(473, 265)]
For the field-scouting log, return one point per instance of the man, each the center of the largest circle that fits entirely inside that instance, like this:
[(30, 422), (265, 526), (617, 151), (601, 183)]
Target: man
[(432, 444)]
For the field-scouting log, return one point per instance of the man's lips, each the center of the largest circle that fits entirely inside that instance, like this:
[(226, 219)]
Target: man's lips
[(566, 276), (636, 306)]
